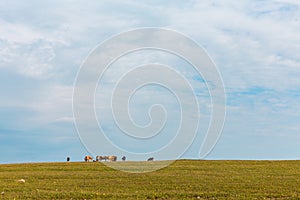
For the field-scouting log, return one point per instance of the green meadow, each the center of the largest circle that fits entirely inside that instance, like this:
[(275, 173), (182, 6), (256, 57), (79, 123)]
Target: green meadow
[(183, 179)]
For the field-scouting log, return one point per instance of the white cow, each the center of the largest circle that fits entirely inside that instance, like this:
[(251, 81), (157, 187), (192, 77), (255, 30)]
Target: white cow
[(112, 158)]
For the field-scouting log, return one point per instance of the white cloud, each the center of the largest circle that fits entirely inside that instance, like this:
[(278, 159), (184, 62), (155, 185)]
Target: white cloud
[(241, 39), (65, 119), (18, 33), (295, 2), (26, 50)]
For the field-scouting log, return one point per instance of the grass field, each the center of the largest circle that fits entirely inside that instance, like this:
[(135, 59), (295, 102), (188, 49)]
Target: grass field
[(183, 179)]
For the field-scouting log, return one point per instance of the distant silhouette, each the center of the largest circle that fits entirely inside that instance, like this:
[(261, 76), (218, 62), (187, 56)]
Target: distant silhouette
[(123, 158), (150, 159), (68, 159)]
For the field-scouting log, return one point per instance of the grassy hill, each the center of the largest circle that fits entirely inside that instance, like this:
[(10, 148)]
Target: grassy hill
[(183, 179)]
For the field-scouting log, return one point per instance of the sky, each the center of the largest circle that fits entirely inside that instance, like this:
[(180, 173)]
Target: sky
[(254, 44)]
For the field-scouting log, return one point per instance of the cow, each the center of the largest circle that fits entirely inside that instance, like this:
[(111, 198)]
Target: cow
[(105, 158), (112, 158), (88, 159), (100, 158), (123, 158), (150, 159), (68, 159)]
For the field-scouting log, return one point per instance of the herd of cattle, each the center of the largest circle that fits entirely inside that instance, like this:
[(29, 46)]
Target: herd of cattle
[(105, 158)]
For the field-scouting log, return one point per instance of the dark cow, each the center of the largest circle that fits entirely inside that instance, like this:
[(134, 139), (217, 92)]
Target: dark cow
[(123, 158), (150, 159)]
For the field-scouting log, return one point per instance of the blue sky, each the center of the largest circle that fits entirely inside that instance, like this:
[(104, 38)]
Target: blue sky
[(255, 45)]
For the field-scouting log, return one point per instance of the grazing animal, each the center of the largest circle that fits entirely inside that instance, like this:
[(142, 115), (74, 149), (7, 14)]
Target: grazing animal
[(150, 159), (88, 159), (105, 158), (123, 158), (68, 159), (112, 158), (100, 158)]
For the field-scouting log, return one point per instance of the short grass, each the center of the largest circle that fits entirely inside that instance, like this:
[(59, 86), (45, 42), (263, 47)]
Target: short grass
[(184, 179)]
